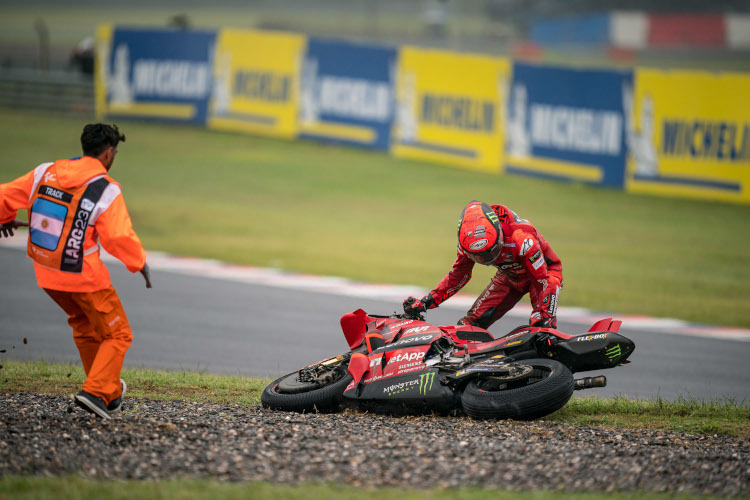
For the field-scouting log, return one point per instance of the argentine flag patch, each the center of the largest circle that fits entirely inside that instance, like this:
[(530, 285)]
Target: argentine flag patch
[(46, 224)]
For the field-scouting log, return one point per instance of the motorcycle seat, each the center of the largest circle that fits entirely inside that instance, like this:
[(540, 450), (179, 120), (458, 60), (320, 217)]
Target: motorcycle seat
[(478, 336)]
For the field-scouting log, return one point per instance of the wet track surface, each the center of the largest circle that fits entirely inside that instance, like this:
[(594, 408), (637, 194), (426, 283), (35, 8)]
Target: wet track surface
[(195, 323)]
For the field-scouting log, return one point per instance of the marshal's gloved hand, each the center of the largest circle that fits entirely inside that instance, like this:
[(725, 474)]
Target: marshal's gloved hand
[(6, 230), (146, 272), (414, 306)]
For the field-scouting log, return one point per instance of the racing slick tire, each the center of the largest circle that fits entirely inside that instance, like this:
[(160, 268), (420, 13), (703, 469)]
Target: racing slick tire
[(306, 398), (549, 386)]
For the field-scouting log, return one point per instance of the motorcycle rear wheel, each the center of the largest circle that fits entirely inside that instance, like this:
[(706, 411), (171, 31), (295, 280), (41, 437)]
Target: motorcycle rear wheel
[(306, 398), (549, 386)]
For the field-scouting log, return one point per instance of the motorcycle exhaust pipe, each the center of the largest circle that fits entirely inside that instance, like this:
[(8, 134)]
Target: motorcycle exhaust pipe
[(589, 382)]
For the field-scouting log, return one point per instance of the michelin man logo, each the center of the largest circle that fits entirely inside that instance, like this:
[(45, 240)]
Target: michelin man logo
[(406, 126), (221, 94), (120, 90), (519, 143), (308, 104), (640, 143)]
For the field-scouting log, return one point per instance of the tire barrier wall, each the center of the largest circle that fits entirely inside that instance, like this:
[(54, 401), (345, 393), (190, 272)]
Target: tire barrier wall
[(676, 133)]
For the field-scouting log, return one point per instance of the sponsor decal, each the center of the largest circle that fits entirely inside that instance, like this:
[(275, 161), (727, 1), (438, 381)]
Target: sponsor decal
[(402, 387), (262, 85), (462, 113), (537, 264), (410, 367), (552, 307), (526, 246), (585, 338), (399, 324), (706, 139), (535, 256), (410, 340), (407, 356), (72, 259), (55, 193), (492, 216), (613, 352), (507, 266), (515, 342), (49, 177), (87, 204), (479, 232), (425, 382), (523, 332), (478, 245), (416, 329), (582, 130), (519, 220)]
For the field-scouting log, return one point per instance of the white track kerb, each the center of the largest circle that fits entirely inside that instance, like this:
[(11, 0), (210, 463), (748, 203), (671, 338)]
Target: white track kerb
[(208, 268)]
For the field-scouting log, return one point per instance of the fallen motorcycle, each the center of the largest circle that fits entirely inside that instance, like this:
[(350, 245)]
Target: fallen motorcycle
[(400, 364)]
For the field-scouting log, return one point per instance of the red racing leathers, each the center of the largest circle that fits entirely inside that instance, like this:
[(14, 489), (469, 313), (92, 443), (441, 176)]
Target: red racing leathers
[(527, 264)]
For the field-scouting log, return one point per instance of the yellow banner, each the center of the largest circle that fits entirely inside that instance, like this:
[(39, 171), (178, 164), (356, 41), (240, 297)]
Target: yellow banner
[(102, 48), (450, 108), (256, 82), (688, 134)]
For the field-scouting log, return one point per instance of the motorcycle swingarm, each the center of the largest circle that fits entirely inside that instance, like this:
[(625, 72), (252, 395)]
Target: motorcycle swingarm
[(498, 364)]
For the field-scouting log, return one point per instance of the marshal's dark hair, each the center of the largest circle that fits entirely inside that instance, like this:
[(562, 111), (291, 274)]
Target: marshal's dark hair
[(97, 137)]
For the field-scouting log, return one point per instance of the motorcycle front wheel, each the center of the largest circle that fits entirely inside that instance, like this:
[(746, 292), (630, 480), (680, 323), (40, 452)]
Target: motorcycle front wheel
[(548, 386), (289, 393)]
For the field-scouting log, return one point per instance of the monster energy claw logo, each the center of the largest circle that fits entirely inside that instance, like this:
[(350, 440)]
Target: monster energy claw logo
[(613, 352), (425, 382)]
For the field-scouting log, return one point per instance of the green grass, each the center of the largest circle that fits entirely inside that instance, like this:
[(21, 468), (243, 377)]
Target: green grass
[(709, 417), (313, 208), (61, 379), (73, 487)]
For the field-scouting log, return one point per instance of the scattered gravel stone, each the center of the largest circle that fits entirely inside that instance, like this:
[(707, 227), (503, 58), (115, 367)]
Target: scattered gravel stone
[(45, 435)]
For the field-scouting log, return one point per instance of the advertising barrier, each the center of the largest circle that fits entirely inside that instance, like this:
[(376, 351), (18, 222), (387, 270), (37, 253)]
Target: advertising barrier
[(256, 82), (346, 93), (450, 108), (678, 133), (155, 73), (567, 124), (689, 134)]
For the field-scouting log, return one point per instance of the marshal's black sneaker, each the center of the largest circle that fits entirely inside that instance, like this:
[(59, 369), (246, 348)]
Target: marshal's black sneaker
[(116, 404), (92, 404)]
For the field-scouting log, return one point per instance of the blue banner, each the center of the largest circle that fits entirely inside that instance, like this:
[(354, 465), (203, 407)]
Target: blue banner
[(346, 93), (584, 29), (567, 123), (160, 74)]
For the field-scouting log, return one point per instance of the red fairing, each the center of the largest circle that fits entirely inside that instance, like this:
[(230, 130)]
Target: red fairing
[(353, 325), (359, 364), (606, 325)]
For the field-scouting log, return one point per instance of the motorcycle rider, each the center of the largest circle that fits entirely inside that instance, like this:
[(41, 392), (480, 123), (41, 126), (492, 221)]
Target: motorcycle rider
[(496, 236)]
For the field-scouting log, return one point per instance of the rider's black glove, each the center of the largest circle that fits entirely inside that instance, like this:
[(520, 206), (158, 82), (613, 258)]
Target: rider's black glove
[(413, 306)]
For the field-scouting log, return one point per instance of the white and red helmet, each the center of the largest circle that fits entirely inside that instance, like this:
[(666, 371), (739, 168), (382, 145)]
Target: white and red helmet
[(480, 236)]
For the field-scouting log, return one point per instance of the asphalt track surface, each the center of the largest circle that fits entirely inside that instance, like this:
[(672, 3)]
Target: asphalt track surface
[(217, 326)]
